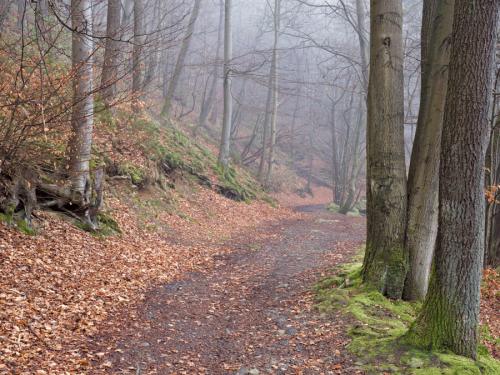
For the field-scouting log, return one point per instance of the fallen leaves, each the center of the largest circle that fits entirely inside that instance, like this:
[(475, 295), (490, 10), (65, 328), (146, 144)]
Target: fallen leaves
[(59, 288)]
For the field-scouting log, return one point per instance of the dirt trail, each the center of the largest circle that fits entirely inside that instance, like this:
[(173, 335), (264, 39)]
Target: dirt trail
[(251, 314)]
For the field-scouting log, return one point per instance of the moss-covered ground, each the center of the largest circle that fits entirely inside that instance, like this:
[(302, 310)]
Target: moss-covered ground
[(378, 326)]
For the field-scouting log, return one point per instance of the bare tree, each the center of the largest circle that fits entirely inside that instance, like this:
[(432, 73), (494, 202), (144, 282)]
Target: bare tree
[(83, 100), (224, 151)]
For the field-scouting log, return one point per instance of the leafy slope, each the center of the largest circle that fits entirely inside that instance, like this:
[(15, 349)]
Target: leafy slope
[(59, 287)]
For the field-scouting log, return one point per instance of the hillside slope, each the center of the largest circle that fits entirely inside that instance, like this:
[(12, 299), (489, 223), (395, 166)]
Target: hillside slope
[(168, 210)]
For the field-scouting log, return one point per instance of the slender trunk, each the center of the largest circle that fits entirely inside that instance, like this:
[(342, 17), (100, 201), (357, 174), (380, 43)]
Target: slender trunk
[(385, 262), (224, 151), (423, 181), (111, 51), (274, 74), (360, 18), (167, 105), (83, 101), (450, 315), (335, 163), (352, 195), (209, 97), (137, 54)]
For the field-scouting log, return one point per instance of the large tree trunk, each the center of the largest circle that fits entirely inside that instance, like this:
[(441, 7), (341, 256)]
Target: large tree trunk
[(139, 35), (423, 180), (450, 315), (385, 263), (180, 60), (111, 51), (224, 151), (83, 101)]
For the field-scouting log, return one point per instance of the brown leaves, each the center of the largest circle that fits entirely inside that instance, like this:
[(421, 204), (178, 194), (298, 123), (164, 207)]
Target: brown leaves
[(58, 289)]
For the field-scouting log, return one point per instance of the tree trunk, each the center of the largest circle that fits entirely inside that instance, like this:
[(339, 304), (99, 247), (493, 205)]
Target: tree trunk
[(209, 97), (274, 88), (450, 315), (165, 113), (224, 151), (137, 54), (423, 180), (83, 101), (385, 263), (111, 51)]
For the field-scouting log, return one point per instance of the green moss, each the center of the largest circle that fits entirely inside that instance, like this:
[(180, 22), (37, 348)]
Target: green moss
[(333, 207), (106, 226), (379, 326), (137, 174), (13, 220)]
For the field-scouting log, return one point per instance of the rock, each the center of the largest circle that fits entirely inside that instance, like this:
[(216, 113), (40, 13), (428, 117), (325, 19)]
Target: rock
[(281, 332), (247, 371)]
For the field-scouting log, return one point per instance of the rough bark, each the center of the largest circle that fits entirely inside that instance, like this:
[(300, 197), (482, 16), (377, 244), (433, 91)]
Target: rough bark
[(83, 101), (111, 51), (137, 53), (180, 60), (224, 151), (423, 177), (385, 262), (450, 315)]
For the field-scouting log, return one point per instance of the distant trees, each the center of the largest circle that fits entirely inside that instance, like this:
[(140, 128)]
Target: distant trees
[(450, 315), (179, 65), (385, 262), (271, 114)]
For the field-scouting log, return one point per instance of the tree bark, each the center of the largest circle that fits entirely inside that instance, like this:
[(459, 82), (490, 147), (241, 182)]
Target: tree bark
[(224, 152), (137, 54), (83, 101), (385, 263), (111, 52), (423, 179), (165, 113), (450, 315)]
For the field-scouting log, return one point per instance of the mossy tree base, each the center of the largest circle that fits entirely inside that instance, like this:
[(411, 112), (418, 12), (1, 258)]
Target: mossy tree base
[(379, 336)]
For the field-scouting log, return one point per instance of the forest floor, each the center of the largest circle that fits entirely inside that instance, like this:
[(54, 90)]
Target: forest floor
[(252, 313)]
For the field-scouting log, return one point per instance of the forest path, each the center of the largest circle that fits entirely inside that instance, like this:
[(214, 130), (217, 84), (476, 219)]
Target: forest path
[(252, 314)]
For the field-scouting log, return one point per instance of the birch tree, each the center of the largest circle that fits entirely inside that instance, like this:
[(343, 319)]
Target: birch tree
[(450, 315), (385, 263)]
